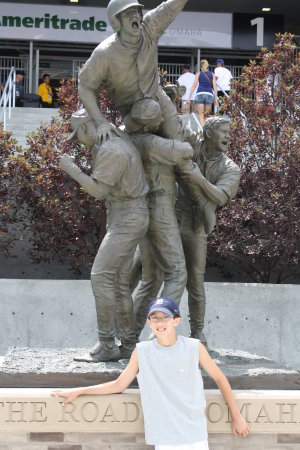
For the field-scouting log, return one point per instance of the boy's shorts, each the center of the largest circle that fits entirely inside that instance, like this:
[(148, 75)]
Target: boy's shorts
[(202, 445)]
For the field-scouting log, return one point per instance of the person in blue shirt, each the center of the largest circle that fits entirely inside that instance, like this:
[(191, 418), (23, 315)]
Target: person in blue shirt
[(207, 93)]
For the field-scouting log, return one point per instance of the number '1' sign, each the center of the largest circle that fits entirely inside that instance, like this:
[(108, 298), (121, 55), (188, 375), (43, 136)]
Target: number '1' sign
[(259, 22)]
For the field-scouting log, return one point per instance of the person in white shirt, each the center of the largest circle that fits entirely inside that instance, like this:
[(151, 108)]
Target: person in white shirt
[(187, 80), (223, 78), (167, 369)]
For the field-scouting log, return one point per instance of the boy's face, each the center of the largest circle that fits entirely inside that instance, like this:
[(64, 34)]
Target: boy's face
[(220, 137), (131, 20), (161, 324), (86, 134)]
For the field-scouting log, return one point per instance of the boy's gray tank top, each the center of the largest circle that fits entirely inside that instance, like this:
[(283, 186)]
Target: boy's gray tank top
[(172, 393)]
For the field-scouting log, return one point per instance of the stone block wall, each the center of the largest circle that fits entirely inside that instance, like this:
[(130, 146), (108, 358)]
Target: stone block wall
[(30, 419), (135, 441), (73, 441)]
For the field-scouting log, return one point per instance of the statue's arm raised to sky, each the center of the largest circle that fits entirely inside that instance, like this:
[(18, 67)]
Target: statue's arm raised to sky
[(126, 63)]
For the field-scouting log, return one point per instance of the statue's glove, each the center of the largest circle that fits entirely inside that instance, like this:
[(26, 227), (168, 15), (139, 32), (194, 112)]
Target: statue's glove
[(175, 91), (67, 164), (106, 131)]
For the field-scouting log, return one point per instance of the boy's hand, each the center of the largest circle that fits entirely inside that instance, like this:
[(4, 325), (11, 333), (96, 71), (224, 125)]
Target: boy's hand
[(106, 131), (65, 162), (240, 426), (192, 175), (69, 395)]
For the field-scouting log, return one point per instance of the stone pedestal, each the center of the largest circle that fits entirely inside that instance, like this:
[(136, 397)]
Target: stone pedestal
[(267, 394), (32, 419), (32, 367)]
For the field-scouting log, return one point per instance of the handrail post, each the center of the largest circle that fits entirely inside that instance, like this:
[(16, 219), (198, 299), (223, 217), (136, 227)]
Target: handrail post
[(4, 106), (9, 97), (37, 66), (30, 65), (14, 88)]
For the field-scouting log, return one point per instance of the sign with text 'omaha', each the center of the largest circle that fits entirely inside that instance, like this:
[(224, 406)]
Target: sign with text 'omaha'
[(91, 25), (24, 410)]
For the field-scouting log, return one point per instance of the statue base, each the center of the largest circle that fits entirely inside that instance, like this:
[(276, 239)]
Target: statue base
[(25, 367)]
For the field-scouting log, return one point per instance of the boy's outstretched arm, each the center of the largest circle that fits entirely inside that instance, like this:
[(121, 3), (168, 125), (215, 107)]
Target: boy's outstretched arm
[(93, 187), (112, 387), (239, 424)]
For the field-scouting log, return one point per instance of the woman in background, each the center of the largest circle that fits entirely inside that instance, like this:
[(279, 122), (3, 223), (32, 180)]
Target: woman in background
[(206, 92)]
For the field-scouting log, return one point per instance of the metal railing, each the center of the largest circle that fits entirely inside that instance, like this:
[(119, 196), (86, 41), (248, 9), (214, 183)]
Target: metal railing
[(175, 70), (77, 64), (8, 97), (19, 63)]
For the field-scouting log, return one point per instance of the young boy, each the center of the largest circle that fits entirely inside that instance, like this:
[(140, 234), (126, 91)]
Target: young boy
[(167, 369)]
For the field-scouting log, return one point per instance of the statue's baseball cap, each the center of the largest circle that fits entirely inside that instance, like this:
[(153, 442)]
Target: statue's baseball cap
[(142, 112), (80, 117), (165, 305), (220, 61)]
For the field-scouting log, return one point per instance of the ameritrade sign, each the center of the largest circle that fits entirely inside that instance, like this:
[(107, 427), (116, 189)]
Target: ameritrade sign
[(53, 23), (91, 25)]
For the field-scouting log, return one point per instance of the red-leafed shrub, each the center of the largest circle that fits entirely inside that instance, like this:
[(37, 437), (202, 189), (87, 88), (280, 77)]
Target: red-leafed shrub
[(259, 229), (60, 219)]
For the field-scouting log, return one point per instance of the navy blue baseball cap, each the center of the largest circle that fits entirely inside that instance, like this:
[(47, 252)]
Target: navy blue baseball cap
[(165, 305), (220, 60)]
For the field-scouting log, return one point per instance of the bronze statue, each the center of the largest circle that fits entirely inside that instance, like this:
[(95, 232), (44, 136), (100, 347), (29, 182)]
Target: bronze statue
[(125, 64), (214, 181), (161, 250), (118, 177), (154, 150)]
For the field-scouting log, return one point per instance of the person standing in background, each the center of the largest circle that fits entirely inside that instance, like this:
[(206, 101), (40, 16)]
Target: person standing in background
[(19, 88), (223, 78), (187, 80), (45, 91), (206, 92)]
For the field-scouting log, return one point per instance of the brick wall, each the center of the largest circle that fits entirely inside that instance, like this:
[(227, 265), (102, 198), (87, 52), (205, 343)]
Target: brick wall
[(73, 441), (32, 419), (135, 441)]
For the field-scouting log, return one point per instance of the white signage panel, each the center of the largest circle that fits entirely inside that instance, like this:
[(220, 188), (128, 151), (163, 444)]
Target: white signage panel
[(199, 29), (91, 25)]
